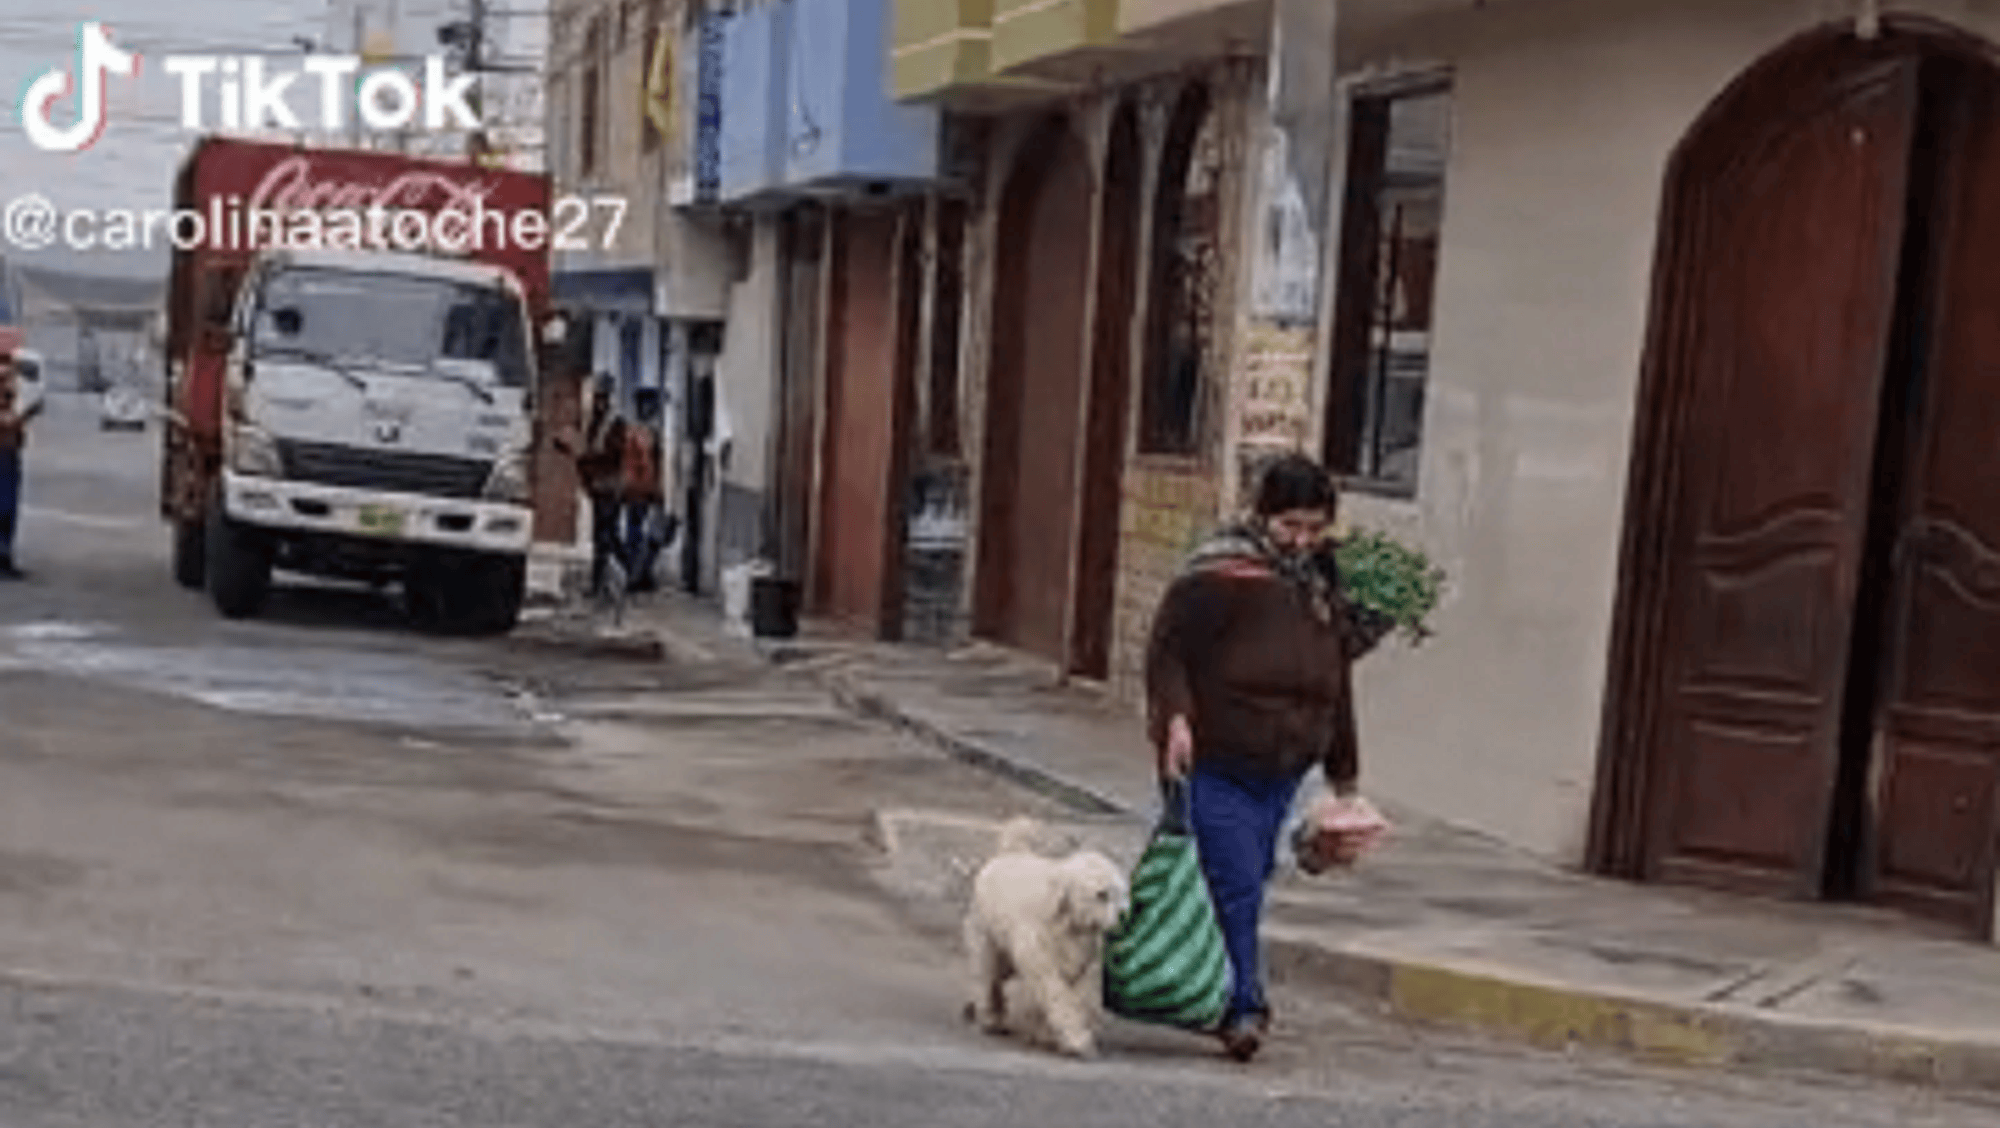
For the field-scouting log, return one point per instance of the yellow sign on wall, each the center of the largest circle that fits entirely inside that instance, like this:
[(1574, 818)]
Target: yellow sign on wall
[(662, 87)]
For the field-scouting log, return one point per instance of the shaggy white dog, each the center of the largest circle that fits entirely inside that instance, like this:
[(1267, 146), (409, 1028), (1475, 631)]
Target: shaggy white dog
[(1043, 920)]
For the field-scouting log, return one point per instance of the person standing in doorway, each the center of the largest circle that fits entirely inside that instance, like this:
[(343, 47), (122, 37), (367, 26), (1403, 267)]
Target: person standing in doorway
[(1248, 687), (17, 410)]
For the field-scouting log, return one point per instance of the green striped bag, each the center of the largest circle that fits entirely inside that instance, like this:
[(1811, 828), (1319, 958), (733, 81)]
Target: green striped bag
[(1165, 963)]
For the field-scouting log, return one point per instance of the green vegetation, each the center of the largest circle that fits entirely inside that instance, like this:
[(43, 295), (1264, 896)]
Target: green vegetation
[(1390, 579)]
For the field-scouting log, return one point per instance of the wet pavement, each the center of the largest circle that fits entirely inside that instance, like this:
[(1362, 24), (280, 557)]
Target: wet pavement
[(274, 680)]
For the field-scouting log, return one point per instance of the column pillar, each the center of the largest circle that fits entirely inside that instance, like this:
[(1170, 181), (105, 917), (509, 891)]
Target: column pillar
[(1294, 135)]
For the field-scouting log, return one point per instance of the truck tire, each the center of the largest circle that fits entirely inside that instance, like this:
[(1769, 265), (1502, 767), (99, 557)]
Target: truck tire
[(238, 567), (190, 554), (501, 588)]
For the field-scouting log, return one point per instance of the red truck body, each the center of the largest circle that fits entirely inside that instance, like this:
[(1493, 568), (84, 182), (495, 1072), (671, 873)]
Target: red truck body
[(229, 181)]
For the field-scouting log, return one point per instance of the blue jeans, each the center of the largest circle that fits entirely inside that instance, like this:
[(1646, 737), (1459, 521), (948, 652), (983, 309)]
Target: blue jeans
[(1236, 823), (606, 545), (10, 500), (639, 545)]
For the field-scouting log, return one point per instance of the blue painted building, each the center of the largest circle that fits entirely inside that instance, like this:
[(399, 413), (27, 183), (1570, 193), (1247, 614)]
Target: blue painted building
[(806, 106), (794, 120)]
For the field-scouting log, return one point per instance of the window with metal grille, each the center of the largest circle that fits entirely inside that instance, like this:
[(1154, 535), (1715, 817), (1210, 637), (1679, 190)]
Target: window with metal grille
[(1381, 347), (1185, 274)]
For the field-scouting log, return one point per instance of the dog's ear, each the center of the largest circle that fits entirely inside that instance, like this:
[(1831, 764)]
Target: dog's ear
[(1069, 900), (1073, 902)]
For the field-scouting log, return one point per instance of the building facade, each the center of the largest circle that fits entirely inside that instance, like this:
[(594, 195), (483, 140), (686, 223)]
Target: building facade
[(1565, 312), (1612, 307)]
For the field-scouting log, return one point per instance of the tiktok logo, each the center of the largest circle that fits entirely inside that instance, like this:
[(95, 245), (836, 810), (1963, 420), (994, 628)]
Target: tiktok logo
[(96, 58)]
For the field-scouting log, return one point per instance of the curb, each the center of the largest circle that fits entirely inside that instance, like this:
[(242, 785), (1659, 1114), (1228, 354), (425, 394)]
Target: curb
[(1498, 1003), (876, 706)]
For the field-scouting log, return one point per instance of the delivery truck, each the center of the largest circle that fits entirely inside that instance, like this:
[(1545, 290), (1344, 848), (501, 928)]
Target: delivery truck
[(350, 398)]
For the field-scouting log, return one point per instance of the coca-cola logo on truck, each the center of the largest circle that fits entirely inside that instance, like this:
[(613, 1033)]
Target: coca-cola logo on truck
[(290, 186)]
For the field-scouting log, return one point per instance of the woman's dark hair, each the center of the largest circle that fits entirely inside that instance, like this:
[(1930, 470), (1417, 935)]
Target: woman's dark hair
[(1293, 481)]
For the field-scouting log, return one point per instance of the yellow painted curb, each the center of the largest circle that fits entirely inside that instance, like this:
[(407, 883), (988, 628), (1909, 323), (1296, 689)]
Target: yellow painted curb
[(1555, 1017)]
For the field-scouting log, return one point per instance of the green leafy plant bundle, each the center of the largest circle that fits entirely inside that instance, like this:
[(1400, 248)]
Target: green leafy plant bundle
[(1390, 579)]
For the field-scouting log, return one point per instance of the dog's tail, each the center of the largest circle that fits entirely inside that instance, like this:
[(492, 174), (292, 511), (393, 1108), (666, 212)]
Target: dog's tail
[(1018, 835)]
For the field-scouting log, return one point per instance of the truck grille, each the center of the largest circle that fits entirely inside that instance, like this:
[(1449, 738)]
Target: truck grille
[(433, 475)]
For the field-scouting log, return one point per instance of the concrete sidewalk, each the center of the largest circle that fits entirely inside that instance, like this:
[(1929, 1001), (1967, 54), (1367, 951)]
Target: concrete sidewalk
[(1443, 926)]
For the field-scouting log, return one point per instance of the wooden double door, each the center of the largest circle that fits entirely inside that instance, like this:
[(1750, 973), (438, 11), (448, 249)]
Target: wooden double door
[(1805, 694)]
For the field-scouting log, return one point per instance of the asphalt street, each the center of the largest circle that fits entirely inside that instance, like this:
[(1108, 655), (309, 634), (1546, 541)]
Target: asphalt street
[(322, 870)]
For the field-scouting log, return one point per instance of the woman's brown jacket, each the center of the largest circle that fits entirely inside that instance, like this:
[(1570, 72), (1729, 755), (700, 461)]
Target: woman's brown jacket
[(1264, 680)]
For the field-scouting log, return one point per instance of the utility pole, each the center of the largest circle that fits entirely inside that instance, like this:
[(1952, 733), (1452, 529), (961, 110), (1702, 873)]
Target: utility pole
[(470, 40), (354, 119), (479, 144)]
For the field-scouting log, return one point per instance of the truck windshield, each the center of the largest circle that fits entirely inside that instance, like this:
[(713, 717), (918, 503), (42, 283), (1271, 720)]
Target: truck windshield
[(400, 320)]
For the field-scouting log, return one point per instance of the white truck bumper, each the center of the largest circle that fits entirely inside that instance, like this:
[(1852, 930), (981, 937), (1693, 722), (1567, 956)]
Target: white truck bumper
[(478, 526)]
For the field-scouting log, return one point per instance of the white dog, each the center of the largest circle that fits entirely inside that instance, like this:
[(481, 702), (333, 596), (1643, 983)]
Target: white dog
[(1044, 920)]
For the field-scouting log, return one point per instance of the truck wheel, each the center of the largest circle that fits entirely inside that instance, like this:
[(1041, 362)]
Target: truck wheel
[(500, 587), (190, 556), (239, 567)]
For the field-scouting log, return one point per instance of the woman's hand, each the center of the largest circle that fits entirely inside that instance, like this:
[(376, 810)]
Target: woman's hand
[(1178, 758)]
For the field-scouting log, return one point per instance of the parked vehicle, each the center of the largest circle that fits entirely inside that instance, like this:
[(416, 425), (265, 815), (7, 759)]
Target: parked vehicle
[(361, 414), (32, 371), (123, 407)]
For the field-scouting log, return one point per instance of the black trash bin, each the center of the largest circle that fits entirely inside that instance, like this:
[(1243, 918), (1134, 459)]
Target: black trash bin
[(774, 607)]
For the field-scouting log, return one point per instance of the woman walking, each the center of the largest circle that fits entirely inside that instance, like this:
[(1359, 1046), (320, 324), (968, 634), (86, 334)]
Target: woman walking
[(1247, 687)]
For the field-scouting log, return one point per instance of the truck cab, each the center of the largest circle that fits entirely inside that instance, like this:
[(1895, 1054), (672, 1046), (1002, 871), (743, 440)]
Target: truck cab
[(377, 425)]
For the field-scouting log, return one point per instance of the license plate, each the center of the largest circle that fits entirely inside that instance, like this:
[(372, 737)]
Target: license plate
[(382, 520)]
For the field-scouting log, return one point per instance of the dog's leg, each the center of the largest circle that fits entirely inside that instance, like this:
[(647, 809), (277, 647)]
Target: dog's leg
[(986, 995), (1062, 1013), (1091, 989)]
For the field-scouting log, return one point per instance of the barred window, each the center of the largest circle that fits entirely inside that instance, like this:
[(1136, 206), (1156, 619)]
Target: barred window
[(1185, 274)]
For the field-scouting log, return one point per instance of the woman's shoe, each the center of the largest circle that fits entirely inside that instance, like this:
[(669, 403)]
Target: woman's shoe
[(1243, 1036)]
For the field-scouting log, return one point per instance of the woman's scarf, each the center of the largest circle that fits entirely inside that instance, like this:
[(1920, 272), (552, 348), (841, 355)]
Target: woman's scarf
[(1248, 541)]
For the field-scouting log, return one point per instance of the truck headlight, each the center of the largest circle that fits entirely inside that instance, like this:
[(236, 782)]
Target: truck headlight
[(509, 481), (254, 453)]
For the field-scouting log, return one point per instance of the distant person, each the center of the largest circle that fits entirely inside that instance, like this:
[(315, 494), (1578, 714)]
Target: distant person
[(17, 410), (600, 457), (647, 527)]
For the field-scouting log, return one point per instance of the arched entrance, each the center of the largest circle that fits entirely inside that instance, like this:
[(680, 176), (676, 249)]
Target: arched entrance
[(1805, 686), (1034, 400)]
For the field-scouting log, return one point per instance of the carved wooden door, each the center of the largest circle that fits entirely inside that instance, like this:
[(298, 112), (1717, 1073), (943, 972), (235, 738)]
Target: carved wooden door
[(1795, 233), (1937, 720)]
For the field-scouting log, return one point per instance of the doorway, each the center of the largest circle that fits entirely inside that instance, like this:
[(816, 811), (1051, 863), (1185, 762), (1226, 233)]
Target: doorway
[(1028, 504), (1805, 696), (864, 405)]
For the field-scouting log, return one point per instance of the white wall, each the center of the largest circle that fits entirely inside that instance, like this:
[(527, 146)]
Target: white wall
[(747, 375), (1565, 116)]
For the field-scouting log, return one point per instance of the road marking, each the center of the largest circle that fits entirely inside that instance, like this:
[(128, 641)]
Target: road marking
[(88, 520)]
